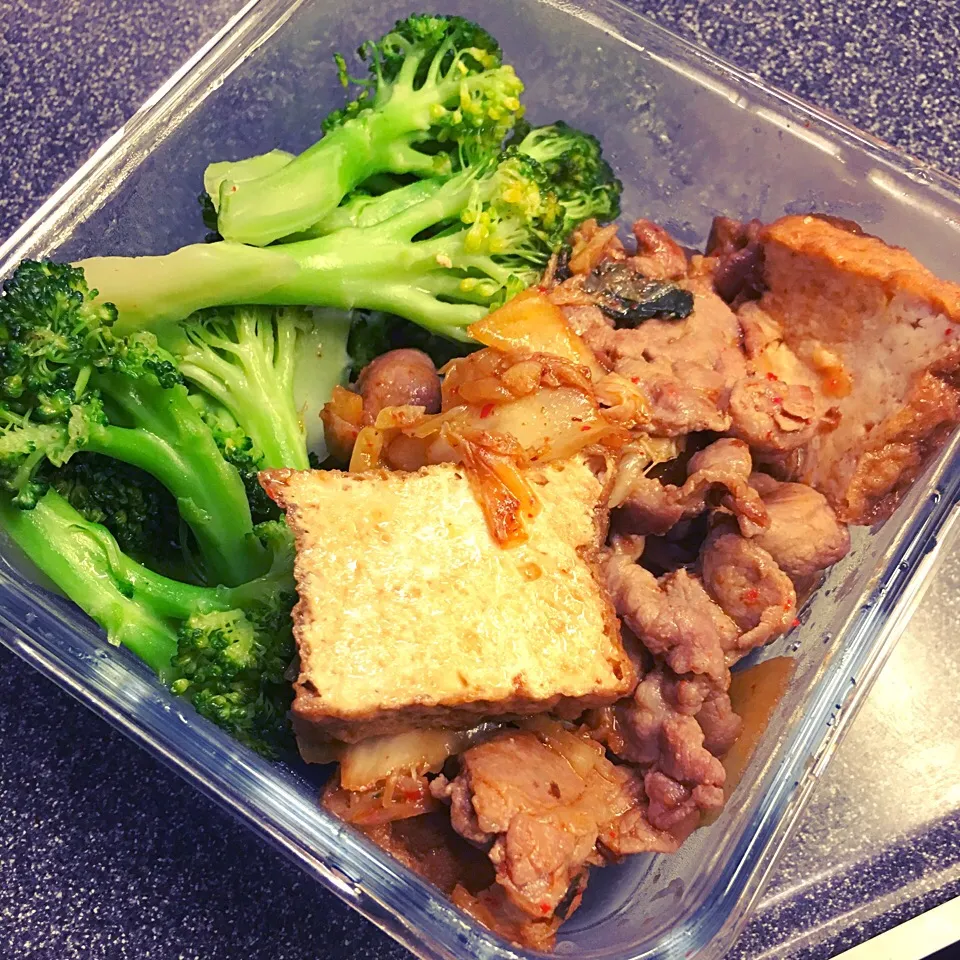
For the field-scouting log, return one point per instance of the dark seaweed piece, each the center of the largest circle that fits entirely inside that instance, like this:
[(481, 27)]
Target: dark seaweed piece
[(629, 298)]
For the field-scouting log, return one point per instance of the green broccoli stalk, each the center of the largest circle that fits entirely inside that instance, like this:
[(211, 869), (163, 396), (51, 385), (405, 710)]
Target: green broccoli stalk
[(437, 85), (443, 262), (367, 210), (324, 363), (224, 649), (348, 214), (242, 171), (573, 161), (262, 373), (245, 358), (82, 558), (69, 383)]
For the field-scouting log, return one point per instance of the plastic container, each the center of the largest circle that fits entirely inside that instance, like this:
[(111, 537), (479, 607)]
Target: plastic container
[(691, 137)]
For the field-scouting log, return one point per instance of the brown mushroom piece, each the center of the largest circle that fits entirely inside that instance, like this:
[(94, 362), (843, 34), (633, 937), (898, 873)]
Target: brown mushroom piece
[(399, 378)]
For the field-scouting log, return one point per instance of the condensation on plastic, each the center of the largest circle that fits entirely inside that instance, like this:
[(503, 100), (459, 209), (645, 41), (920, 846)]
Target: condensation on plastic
[(691, 136)]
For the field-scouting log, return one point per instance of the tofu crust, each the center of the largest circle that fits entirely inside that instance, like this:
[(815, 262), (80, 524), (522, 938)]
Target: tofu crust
[(410, 614), (814, 248), (891, 323)]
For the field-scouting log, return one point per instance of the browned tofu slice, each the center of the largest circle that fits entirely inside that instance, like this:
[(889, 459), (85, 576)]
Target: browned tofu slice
[(411, 614), (881, 331)]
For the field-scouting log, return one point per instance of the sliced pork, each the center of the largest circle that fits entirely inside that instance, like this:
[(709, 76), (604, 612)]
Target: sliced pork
[(751, 589), (541, 804), (773, 416), (718, 475), (656, 729), (658, 254), (686, 366), (803, 535), (674, 617), (720, 724)]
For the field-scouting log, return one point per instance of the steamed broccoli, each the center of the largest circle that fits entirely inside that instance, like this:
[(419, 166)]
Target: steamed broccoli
[(242, 454), (138, 510), (579, 175), (243, 358), (436, 86), (346, 215), (443, 262), (368, 204), (224, 649), (573, 161), (69, 382)]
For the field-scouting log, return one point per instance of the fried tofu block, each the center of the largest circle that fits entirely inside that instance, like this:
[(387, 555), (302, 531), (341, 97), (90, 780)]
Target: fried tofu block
[(879, 331), (410, 614)]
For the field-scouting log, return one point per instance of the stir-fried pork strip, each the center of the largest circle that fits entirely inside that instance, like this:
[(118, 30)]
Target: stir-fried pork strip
[(717, 475), (674, 617), (685, 367), (720, 724), (771, 415), (686, 364), (658, 254), (430, 846), (543, 813), (749, 587), (632, 729), (658, 730), (803, 534), (493, 908)]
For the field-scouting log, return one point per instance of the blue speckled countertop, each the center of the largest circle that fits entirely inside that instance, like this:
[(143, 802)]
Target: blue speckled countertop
[(106, 855)]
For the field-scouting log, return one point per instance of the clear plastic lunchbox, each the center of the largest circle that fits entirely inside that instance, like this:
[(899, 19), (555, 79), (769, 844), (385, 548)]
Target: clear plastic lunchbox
[(691, 137)]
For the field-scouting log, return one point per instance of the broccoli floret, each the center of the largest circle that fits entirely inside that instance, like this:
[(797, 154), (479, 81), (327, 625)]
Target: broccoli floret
[(232, 666), (443, 262), (138, 510), (579, 175), (69, 382), (240, 451), (223, 649), (262, 373), (436, 86), (244, 359)]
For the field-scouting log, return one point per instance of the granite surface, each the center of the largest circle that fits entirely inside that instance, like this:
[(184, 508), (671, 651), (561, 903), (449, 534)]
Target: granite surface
[(105, 854)]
